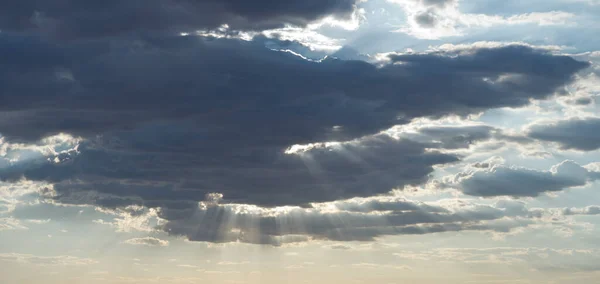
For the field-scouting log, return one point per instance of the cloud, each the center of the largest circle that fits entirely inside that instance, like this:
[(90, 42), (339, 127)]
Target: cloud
[(436, 19), (575, 133), (426, 19), (362, 167), (350, 220), (539, 258), (10, 223), (130, 218), (501, 180), (166, 120), (159, 121), (63, 260), (76, 19), (449, 136), (589, 210), (368, 265), (132, 76), (147, 241)]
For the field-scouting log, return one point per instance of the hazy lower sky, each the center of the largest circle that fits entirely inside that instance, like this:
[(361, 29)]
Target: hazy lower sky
[(314, 141)]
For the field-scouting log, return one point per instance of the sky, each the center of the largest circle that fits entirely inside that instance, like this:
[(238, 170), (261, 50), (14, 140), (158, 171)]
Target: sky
[(313, 141)]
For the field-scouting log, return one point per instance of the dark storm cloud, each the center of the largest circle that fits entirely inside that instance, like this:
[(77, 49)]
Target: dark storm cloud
[(170, 119), (364, 167), (230, 89), (577, 133), (85, 18), (522, 182)]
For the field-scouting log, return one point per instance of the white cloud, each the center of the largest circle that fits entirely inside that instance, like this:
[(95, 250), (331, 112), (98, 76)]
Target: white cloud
[(537, 257), (437, 19), (132, 218), (147, 241), (11, 223), (62, 260)]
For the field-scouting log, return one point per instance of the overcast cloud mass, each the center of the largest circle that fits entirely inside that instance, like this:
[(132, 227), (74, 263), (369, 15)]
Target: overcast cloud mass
[(234, 141)]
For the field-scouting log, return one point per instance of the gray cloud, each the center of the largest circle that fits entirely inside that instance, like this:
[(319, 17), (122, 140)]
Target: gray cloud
[(522, 182), (439, 3), (577, 133), (167, 120), (426, 19), (589, 210), (112, 178), (75, 19), (231, 89), (229, 223), (581, 101)]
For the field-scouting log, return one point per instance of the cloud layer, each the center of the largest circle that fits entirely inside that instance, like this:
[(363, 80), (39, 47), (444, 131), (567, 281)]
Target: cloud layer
[(124, 112), (76, 19), (349, 220), (167, 120)]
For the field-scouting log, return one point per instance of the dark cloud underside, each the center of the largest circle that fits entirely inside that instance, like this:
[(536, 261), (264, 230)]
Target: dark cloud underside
[(230, 223), (87, 18), (170, 119)]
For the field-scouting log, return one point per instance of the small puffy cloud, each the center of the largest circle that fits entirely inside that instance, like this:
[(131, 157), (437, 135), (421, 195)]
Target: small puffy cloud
[(575, 133), (580, 101), (426, 19), (501, 180), (147, 241)]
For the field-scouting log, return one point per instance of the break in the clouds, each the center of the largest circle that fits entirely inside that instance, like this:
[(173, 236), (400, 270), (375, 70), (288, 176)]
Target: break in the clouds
[(87, 19)]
